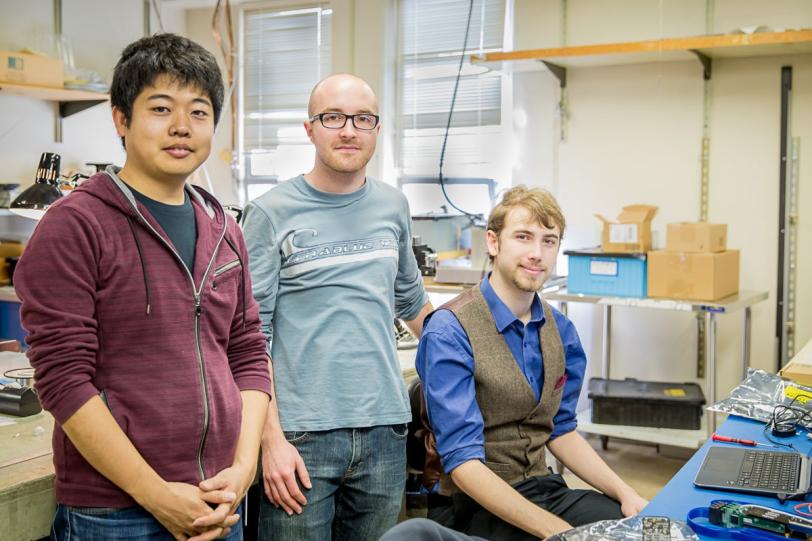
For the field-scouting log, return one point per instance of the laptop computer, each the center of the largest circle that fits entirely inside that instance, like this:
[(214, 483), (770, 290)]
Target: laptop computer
[(775, 473)]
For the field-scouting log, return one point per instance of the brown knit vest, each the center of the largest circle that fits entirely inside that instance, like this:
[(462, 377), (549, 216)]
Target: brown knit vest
[(516, 426)]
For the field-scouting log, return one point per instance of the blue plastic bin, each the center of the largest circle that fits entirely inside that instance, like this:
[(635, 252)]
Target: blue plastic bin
[(594, 272)]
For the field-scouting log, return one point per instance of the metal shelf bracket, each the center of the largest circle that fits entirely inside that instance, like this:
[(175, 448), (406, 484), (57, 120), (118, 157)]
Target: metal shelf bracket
[(68, 108), (707, 64), (560, 73)]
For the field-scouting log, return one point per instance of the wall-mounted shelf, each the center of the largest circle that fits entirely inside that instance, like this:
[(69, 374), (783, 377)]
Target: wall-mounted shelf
[(669, 49), (70, 101)]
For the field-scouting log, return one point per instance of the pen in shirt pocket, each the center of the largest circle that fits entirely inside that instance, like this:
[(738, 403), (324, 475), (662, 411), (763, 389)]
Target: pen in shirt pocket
[(560, 383)]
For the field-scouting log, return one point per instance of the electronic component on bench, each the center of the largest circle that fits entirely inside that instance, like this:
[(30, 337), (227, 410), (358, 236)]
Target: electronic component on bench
[(733, 515)]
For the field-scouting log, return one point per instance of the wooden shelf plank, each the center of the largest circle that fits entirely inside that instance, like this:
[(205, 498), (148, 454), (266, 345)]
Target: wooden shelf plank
[(52, 94), (669, 49)]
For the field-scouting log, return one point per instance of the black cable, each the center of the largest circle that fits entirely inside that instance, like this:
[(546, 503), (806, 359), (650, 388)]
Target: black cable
[(776, 442), (451, 112), (785, 419)]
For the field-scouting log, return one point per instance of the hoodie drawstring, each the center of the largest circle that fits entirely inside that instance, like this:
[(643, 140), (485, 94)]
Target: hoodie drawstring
[(242, 276), (141, 257), (146, 278)]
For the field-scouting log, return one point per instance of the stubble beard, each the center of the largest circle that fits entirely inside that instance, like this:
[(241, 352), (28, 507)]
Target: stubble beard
[(526, 283), (334, 162)]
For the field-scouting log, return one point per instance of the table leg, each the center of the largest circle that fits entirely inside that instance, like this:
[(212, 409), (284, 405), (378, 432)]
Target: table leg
[(606, 353), (746, 342), (710, 367)]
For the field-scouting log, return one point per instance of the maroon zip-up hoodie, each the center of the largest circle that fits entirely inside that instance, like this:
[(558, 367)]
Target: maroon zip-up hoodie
[(111, 310)]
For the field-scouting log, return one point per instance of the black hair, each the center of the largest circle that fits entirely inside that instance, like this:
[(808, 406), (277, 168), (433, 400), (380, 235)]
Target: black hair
[(183, 60)]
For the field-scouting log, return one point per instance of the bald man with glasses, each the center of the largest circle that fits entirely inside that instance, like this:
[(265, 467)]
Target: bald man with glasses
[(331, 263)]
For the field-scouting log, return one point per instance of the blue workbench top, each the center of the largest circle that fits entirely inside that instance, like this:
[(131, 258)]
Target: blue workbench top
[(680, 495)]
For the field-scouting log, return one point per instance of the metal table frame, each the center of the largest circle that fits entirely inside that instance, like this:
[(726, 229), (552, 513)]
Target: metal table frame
[(744, 300)]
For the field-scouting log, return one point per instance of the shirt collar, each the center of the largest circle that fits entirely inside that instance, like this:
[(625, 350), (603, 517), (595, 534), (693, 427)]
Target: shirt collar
[(501, 313)]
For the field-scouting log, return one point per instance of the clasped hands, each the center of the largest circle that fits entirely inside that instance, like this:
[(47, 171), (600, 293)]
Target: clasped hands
[(203, 512)]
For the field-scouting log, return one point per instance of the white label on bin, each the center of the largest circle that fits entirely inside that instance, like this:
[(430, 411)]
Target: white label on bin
[(622, 233), (603, 267)]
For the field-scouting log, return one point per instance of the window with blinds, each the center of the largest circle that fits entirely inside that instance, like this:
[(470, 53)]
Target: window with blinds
[(431, 33), (285, 53)]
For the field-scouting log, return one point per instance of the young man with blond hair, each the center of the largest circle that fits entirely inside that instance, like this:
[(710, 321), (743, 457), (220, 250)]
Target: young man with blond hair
[(501, 372)]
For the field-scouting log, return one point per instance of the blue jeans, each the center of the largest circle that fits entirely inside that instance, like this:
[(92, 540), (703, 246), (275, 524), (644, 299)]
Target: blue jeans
[(358, 477), (131, 524)]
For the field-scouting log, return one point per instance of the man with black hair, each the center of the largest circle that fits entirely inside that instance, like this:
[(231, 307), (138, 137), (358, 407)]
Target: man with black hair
[(144, 337)]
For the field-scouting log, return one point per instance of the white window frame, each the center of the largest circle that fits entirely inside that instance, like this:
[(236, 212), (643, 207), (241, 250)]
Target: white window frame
[(498, 134), (245, 177)]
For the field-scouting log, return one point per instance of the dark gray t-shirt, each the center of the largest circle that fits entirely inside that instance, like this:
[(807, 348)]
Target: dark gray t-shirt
[(178, 221)]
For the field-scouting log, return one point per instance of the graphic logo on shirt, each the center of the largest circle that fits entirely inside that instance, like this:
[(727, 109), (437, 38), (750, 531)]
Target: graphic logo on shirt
[(298, 259)]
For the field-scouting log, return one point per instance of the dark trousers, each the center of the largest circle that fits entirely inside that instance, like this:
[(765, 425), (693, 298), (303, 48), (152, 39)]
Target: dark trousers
[(550, 492), (420, 529)]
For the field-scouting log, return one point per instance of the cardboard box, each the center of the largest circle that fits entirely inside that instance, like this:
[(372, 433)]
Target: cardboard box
[(631, 232), (30, 69), (693, 276), (799, 368), (696, 237)]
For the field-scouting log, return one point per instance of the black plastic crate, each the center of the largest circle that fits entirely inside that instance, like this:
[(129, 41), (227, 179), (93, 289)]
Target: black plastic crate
[(646, 403)]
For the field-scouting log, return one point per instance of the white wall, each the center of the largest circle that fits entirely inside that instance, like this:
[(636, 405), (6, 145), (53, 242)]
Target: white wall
[(27, 125), (634, 136)]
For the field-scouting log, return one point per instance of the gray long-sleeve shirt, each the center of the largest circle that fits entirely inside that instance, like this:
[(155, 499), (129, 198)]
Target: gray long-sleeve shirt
[(330, 272)]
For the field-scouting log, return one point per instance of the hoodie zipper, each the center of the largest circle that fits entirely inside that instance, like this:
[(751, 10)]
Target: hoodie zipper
[(199, 352), (198, 311), (225, 268)]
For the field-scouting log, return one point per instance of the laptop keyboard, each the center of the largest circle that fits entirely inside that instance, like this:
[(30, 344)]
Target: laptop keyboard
[(767, 470)]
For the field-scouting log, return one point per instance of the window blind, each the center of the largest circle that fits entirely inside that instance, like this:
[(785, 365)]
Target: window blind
[(430, 44), (285, 53)]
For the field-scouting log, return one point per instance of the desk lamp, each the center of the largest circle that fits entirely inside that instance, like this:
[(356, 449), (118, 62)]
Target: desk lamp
[(36, 199)]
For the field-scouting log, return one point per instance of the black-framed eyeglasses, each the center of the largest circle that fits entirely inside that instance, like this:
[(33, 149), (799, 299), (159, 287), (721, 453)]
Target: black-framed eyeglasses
[(336, 121)]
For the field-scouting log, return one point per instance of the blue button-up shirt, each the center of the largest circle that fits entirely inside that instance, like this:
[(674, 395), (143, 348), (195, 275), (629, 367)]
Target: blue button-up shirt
[(445, 363)]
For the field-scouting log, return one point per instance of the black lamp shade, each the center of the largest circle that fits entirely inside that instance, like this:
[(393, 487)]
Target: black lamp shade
[(36, 199)]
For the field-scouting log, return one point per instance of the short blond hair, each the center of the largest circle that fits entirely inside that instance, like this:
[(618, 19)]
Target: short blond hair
[(539, 202)]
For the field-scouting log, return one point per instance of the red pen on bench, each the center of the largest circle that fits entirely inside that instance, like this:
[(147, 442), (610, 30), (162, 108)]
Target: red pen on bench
[(749, 443)]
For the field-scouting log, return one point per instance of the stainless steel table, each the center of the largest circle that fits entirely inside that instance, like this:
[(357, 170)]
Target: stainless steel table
[(710, 310)]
